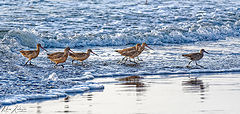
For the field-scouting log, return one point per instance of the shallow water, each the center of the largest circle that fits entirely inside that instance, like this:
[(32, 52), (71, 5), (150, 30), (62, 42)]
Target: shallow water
[(210, 94), (43, 81)]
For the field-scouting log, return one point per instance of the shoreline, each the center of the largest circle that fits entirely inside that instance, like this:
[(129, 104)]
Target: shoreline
[(155, 91)]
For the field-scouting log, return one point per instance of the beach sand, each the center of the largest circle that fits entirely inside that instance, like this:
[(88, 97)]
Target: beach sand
[(156, 94)]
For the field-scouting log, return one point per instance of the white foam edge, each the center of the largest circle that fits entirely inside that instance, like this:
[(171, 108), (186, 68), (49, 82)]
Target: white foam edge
[(54, 93)]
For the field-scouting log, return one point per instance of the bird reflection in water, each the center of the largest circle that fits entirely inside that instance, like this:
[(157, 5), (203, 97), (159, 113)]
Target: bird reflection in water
[(194, 85), (89, 97), (132, 82), (66, 109), (39, 109), (66, 106)]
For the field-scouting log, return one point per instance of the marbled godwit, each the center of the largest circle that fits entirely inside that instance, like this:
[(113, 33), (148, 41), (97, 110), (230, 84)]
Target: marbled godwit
[(81, 56), (127, 52), (59, 57), (141, 49), (32, 53), (195, 57), (136, 53), (66, 99)]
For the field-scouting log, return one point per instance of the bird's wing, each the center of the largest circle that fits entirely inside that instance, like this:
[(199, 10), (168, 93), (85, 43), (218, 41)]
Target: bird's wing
[(27, 53), (126, 49), (129, 52), (77, 54), (55, 55), (191, 55)]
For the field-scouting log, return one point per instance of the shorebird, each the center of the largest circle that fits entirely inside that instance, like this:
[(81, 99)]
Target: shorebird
[(124, 52), (137, 52), (195, 57), (141, 49), (127, 52), (32, 53), (81, 56), (59, 57), (66, 99)]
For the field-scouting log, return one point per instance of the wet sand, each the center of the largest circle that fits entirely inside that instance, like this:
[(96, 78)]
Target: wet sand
[(165, 94)]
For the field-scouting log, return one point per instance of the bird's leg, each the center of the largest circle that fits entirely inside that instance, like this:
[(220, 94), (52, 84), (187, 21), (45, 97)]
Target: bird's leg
[(139, 59), (189, 64), (72, 61), (125, 60), (121, 60), (133, 60), (55, 65), (26, 62), (198, 64), (130, 60), (30, 62)]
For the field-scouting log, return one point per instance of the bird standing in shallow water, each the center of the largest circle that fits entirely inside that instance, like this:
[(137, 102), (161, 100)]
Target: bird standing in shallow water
[(127, 52), (66, 99), (59, 57), (195, 57), (140, 50), (81, 56), (134, 52), (32, 53)]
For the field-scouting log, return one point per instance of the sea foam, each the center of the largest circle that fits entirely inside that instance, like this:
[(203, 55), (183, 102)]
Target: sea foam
[(54, 93)]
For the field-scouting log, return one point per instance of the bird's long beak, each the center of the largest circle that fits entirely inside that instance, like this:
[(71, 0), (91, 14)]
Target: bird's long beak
[(95, 54), (206, 52), (71, 51), (44, 49), (149, 47)]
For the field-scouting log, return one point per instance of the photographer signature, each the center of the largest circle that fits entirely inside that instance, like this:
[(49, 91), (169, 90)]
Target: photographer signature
[(13, 109)]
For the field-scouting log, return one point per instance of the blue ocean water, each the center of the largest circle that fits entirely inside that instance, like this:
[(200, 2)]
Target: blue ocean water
[(170, 27), (111, 22)]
